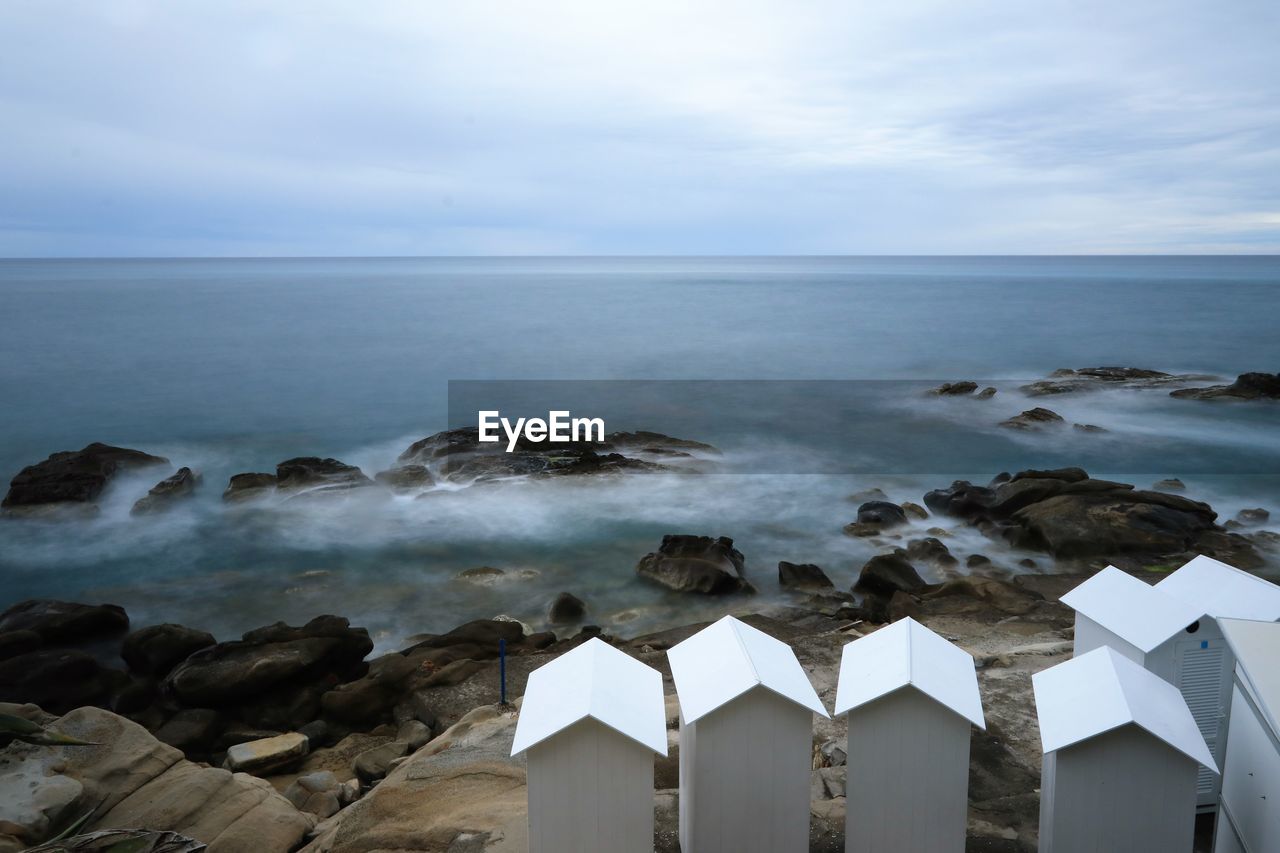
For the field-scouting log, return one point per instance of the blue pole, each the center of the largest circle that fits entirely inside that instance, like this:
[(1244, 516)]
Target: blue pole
[(502, 670)]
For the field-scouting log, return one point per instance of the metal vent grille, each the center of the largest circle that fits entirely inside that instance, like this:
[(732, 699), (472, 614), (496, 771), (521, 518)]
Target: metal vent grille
[(1200, 681)]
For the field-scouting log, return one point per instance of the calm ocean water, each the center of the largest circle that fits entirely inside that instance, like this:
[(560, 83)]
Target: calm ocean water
[(235, 365)]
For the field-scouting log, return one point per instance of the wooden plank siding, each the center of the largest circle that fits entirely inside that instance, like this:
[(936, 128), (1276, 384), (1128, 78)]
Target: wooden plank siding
[(590, 790), (908, 776), (1124, 790), (745, 777)]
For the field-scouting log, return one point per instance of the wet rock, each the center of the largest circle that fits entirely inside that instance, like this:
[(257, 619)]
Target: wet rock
[(167, 492), (881, 513), (157, 649), (930, 550), (1033, 419), (976, 561), (277, 659), (1088, 428), (914, 510), (313, 474), (73, 476), (1027, 563), (1248, 386), (57, 680), (1170, 485), (567, 609), (65, 621), (406, 478), (1257, 515), (1068, 381), (955, 389), (243, 487), (885, 574), (803, 576), (862, 530), (267, 756), (986, 393), (696, 564)]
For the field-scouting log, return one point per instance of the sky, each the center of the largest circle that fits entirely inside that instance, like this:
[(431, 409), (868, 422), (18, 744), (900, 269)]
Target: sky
[(613, 127)]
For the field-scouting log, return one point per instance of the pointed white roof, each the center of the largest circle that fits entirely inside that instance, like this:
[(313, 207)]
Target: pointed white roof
[(728, 658), (1103, 690), (594, 680), (1256, 646), (907, 654), (1223, 591), (1133, 610)]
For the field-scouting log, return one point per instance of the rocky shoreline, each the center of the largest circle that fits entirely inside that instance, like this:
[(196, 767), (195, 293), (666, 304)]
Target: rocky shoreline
[(294, 737)]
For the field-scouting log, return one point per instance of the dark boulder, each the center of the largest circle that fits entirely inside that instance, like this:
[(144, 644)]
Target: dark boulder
[(249, 485), (191, 730), (155, 650), (803, 576), (73, 476), (882, 513), (567, 609), (930, 550), (371, 698), (1109, 522), (1248, 386), (14, 643), (886, 574), (65, 622), (1257, 515), (696, 564), (955, 389), (168, 491), (58, 680), (1068, 381), (313, 473), (275, 658), (986, 393), (1033, 419), (961, 500)]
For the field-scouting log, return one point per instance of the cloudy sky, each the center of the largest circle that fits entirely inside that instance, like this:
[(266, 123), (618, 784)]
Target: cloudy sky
[(591, 127)]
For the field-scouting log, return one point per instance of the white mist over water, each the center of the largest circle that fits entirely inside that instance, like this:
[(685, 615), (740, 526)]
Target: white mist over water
[(351, 359)]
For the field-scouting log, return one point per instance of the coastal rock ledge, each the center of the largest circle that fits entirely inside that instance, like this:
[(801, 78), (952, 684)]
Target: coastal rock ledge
[(72, 480)]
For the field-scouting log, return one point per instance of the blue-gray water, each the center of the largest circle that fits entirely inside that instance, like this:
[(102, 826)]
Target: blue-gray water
[(235, 365)]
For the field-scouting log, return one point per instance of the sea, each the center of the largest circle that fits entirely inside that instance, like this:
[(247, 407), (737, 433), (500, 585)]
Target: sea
[(810, 375)]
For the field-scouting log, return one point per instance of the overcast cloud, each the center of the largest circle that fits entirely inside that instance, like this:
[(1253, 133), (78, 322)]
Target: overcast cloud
[(602, 127)]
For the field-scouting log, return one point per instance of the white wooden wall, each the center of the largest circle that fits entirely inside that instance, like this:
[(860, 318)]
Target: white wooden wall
[(590, 791), (908, 779), (1251, 783), (1090, 635), (1125, 790), (744, 777)]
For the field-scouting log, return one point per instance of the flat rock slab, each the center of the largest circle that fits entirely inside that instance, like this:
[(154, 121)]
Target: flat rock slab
[(260, 756)]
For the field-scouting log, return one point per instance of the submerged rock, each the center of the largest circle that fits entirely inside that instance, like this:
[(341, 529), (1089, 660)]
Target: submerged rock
[(1033, 419), (567, 609), (313, 474), (696, 564), (955, 389), (73, 476), (165, 493), (247, 486), (1248, 386), (1067, 381)]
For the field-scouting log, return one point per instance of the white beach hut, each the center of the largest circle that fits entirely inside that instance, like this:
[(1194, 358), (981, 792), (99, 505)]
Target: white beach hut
[(590, 724), (1121, 757), (1172, 630), (1249, 818), (746, 741), (911, 697)]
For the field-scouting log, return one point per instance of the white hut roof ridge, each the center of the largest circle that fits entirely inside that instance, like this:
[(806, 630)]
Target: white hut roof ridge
[(908, 654), (1223, 591), (1256, 646), (728, 658), (595, 681), (1137, 612), (1103, 690)]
